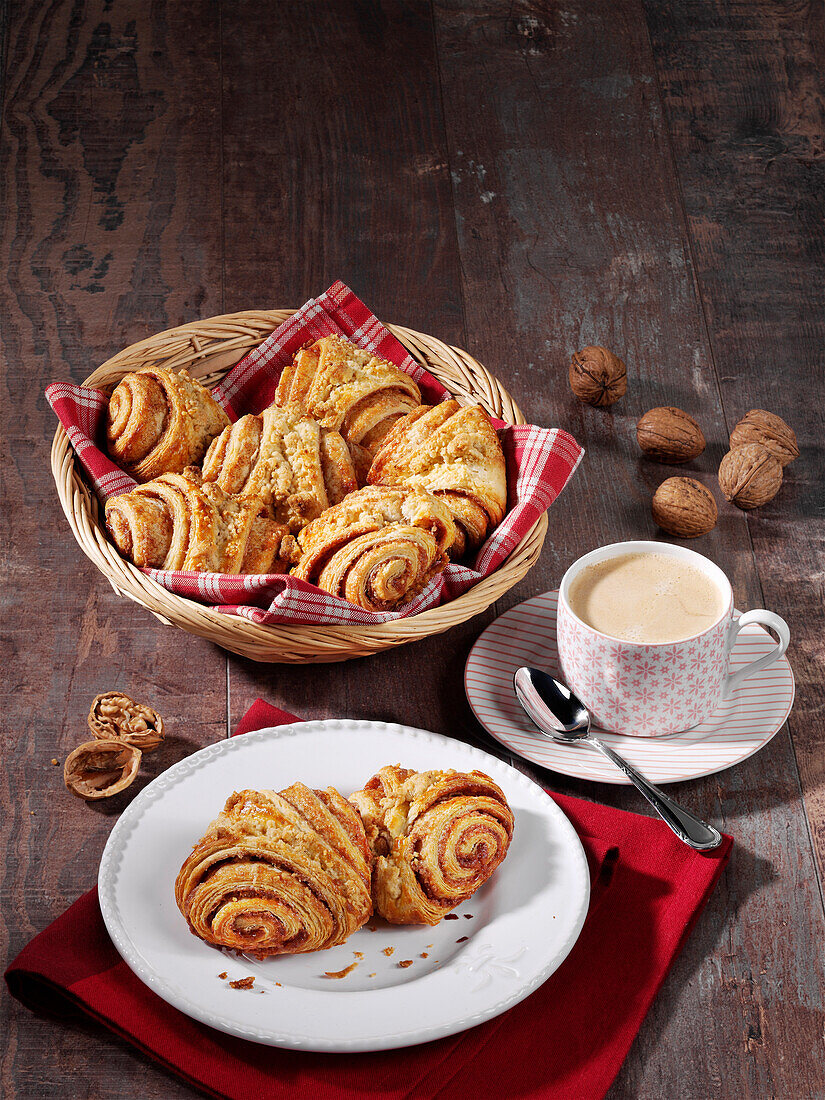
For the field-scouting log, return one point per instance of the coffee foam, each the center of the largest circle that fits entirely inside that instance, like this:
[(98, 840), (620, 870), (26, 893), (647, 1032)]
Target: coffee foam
[(646, 598)]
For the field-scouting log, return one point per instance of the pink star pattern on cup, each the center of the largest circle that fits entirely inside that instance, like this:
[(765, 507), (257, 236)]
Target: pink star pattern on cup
[(643, 690)]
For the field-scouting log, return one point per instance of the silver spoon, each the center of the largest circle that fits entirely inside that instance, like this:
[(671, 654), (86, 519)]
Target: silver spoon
[(559, 714)]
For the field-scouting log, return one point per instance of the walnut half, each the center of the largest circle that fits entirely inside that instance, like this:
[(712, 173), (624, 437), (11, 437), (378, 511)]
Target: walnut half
[(98, 769), (115, 715)]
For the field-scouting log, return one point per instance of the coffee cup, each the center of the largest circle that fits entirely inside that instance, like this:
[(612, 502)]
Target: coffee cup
[(650, 689)]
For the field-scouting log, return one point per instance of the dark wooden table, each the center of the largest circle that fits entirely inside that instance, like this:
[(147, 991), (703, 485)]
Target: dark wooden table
[(519, 179)]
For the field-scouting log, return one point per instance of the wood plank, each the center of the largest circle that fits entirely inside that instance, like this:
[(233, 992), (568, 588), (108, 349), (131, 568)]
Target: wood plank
[(745, 99), (571, 232), (111, 232), (355, 187), (335, 166)]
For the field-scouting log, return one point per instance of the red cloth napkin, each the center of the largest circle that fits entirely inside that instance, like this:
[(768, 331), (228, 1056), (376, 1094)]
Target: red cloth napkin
[(540, 462), (564, 1042)]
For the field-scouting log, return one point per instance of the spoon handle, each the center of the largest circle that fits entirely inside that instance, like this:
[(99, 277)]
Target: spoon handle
[(688, 828)]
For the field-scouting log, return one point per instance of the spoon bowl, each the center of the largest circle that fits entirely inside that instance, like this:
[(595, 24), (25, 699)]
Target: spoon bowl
[(552, 700), (553, 708)]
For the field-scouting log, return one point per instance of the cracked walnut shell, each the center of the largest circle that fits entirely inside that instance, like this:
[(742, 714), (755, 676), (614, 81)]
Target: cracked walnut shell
[(597, 376), (115, 715), (761, 426), (98, 769), (670, 435), (684, 507), (750, 475)]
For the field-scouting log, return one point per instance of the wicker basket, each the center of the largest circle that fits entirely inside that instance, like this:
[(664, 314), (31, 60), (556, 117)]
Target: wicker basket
[(208, 349)]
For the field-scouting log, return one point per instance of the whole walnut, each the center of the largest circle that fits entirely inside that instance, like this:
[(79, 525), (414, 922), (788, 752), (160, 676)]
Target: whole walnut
[(670, 435), (597, 376), (684, 507), (750, 475), (761, 426)]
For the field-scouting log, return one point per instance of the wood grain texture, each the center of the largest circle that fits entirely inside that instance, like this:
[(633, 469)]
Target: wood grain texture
[(357, 188), (335, 160), (520, 179), (110, 232), (571, 233), (745, 100)]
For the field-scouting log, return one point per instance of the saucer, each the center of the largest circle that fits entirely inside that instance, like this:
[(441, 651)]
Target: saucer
[(526, 635)]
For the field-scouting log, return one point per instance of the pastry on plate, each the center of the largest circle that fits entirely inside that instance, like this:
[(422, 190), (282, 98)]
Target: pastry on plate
[(453, 451), (378, 548), (286, 459), (278, 873), (159, 422), (176, 522), (351, 390), (435, 837)]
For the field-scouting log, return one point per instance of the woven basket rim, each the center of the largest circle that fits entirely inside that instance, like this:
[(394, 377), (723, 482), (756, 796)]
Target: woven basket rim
[(205, 342)]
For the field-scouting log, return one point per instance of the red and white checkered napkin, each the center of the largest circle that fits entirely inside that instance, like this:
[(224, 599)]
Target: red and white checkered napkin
[(540, 462)]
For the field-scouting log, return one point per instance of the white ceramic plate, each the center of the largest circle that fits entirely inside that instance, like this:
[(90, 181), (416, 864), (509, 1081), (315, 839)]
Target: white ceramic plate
[(526, 635), (506, 940)]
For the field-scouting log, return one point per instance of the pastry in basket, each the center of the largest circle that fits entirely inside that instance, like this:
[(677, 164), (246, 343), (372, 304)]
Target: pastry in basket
[(454, 452), (176, 522), (159, 422), (278, 873), (347, 388), (435, 836), (378, 548), (297, 468)]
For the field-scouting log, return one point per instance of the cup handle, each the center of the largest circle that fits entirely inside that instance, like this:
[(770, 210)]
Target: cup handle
[(764, 618)]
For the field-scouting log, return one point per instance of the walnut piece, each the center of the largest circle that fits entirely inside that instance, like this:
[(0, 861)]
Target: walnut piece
[(597, 376), (115, 715), (684, 507), (761, 426), (98, 769), (750, 475), (670, 435)]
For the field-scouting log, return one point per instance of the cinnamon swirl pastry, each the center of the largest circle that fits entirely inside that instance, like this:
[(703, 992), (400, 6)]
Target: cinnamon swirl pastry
[(297, 468), (454, 452), (175, 522), (278, 873), (349, 389), (435, 836), (159, 422), (378, 548)]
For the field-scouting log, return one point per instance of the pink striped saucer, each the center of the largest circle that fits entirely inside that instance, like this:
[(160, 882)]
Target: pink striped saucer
[(526, 635)]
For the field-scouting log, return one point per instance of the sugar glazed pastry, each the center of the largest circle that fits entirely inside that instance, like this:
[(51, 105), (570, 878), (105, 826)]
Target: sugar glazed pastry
[(296, 467), (159, 422), (176, 522), (278, 492), (378, 548), (454, 452), (278, 873), (435, 837), (351, 390)]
